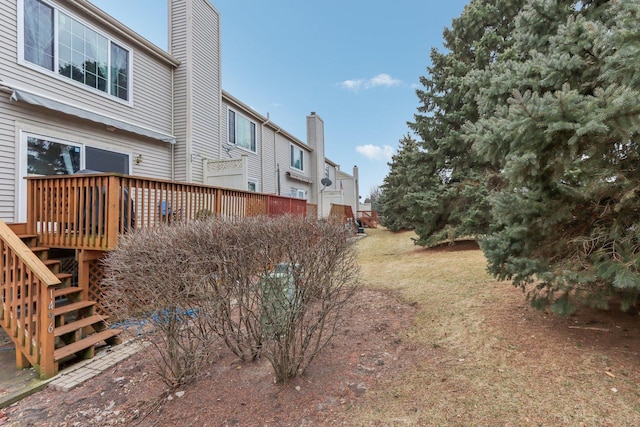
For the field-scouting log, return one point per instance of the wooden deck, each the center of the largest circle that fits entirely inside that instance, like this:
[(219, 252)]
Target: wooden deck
[(91, 211), (48, 316)]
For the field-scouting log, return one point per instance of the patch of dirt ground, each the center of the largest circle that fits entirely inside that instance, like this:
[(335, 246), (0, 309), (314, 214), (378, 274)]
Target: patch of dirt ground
[(370, 355), (368, 347)]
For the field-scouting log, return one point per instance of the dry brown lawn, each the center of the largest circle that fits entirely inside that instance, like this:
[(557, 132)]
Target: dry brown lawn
[(496, 361), (430, 340)]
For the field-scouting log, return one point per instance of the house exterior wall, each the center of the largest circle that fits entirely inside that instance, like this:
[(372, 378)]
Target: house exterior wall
[(194, 39), (331, 167), (255, 160), (270, 164), (291, 184), (315, 138), (149, 105), (151, 93), (347, 185), (176, 93), (267, 174)]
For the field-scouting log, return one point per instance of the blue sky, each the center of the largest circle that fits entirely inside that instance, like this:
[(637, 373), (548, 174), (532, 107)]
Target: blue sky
[(356, 63)]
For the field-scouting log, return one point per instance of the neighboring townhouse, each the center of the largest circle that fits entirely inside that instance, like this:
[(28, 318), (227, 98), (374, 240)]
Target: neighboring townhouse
[(79, 90)]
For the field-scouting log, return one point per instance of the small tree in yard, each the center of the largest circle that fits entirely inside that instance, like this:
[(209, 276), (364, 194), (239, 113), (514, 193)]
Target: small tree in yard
[(561, 117), (264, 286)]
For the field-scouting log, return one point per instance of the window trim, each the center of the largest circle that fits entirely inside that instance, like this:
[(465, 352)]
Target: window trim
[(53, 73), (234, 143), (298, 192), (291, 160)]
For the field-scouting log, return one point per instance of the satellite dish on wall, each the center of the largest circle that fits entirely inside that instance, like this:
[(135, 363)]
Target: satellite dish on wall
[(325, 183)]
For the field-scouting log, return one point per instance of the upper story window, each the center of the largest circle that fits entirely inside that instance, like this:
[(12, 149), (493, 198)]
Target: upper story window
[(242, 132), (326, 171), (58, 42), (297, 158)]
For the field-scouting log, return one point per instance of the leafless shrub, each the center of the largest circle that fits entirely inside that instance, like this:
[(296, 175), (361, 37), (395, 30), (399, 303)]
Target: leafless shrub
[(304, 295), (281, 283), (153, 279), (265, 286)]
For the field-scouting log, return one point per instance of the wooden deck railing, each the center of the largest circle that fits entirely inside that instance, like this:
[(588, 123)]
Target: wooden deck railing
[(368, 218), (89, 211), (27, 302)]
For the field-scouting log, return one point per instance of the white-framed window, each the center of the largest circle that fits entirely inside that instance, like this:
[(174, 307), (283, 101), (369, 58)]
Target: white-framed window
[(298, 194), (45, 155), (54, 40), (326, 171), (297, 158), (252, 186), (242, 131), (48, 156)]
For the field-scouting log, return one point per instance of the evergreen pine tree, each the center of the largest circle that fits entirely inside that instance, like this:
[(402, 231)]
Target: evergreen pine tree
[(456, 202), (402, 181), (561, 117)]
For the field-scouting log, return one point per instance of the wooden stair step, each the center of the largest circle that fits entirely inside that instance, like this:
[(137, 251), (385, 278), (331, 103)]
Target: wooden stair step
[(40, 250), (63, 276), (68, 308), (51, 262), (26, 236), (78, 324), (84, 343), (69, 290), (29, 238)]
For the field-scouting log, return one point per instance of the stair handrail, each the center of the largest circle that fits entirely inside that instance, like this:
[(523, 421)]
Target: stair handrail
[(26, 282)]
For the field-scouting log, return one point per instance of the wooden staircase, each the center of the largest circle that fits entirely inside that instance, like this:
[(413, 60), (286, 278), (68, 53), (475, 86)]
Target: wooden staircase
[(368, 219), (76, 326)]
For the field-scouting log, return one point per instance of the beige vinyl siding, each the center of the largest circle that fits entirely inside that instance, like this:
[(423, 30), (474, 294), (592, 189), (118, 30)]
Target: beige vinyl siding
[(151, 91), (8, 52), (7, 165), (152, 102), (335, 185), (178, 45), (282, 159), (195, 41), (268, 159), (317, 159), (283, 156), (273, 150), (254, 159), (254, 167), (17, 117), (204, 63)]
